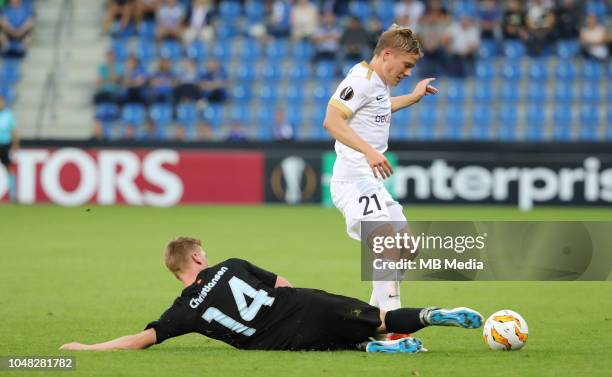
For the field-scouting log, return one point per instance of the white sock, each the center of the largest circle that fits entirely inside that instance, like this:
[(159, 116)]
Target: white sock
[(386, 295)]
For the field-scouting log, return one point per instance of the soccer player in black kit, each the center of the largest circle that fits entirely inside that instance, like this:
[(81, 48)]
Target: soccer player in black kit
[(250, 308)]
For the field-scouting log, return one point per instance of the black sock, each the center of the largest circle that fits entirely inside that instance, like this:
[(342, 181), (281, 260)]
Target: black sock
[(404, 320)]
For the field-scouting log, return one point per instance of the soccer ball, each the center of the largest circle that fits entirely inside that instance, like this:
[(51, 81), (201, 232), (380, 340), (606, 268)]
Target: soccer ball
[(505, 330)]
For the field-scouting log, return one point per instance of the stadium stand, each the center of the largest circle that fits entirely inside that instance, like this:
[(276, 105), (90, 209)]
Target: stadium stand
[(516, 91)]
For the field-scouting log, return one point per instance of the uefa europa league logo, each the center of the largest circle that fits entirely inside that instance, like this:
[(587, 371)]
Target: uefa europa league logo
[(293, 169)]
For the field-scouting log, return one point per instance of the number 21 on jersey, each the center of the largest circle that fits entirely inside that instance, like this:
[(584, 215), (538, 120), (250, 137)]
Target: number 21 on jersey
[(247, 312)]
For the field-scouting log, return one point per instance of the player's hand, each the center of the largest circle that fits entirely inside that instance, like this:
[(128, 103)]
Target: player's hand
[(423, 88), (379, 164), (74, 346)]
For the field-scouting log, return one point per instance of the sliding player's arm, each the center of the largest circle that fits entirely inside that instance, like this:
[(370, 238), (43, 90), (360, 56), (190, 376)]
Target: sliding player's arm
[(336, 124), (420, 90), (138, 341)]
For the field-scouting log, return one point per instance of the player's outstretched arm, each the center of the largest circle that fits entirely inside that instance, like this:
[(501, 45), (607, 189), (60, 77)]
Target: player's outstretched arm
[(282, 282), (138, 341), (336, 124), (420, 90)]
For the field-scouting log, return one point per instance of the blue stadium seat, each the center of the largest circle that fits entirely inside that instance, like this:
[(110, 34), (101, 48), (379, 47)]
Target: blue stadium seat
[(511, 71), (568, 49), (565, 70), (591, 71), (384, 11), (514, 49), (146, 30), (229, 10), (485, 70), (241, 92), (270, 72), (161, 115), (455, 91), (538, 70), (187, 116), (507, 119), (589, 115), (482, 115), (321, 93), (589, 92), (226, 30), (268, 93), (535, 120), (509, 91), (302, 51), (277, 49), (172, 50), (562, 122), (425, 131), (359, 9), (254, 11), (146, 51), (488, 49), (9, 74), (120, 48), (483, 92), (561, 132), (428, 113), (325, 70), (536, 92), (221, 51), (563, 91), (246, 73), (598, 8), (239, 113), (106, 112), (295, 115), (400, 124), (294, 94), (196, 51), (250, 51), (133, 114), (214, 115), (299, 72)]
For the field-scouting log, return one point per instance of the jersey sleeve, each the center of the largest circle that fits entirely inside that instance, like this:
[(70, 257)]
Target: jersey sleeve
[(351, 95), (266, 277), (171, 324)]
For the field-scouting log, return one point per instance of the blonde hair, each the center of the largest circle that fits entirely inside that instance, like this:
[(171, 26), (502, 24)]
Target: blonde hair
[(178, 251), (399, 38)]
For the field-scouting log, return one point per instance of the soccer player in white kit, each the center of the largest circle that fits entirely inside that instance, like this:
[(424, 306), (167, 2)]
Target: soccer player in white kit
[(358, 117)]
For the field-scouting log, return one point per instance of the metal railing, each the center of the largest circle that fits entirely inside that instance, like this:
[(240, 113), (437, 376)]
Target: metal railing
[(49, 94)]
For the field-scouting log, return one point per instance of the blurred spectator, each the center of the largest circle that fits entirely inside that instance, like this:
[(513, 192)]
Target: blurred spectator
[(593, 39), (463, 44), (304, 20), (237, 132), (149, 132), (568, 17), (145, 10), (162, 82), (188, 88), (409, 12), (214, 82), (514, 22), (170, 18), (204, 132), (432, 35), (540, 23), (108, 85), (16, 25), (199, 21), (118, 15), (490, 17), (134, 81), (327, 39), (278, 23), (283, 129), (375, 29), (354, 41)]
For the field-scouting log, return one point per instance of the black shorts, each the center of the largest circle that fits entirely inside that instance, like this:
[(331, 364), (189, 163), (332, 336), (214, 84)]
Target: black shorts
[(5, 159), (334, 322)]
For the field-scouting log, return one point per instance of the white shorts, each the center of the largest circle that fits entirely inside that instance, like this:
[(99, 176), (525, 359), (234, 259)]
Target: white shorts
[(368, 200)]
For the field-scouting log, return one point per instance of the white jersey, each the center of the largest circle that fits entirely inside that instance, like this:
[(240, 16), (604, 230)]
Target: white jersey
[(366, 100)]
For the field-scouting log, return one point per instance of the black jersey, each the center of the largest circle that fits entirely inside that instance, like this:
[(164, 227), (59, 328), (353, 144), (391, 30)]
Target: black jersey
[(236, 302)]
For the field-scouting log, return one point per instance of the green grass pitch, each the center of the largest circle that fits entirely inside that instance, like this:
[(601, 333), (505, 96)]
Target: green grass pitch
[(91, 274)]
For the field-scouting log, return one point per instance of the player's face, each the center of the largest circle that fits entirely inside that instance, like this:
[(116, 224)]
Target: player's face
[(398, 65)]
